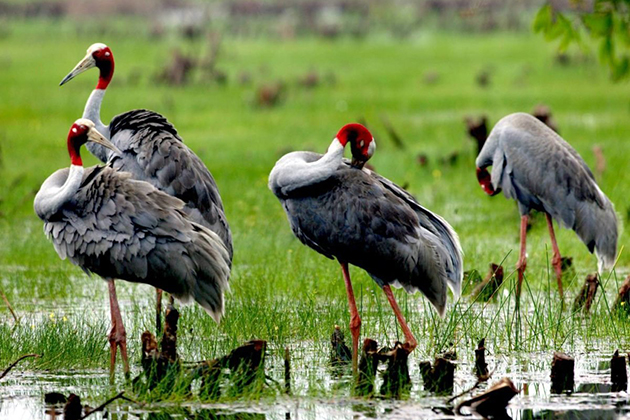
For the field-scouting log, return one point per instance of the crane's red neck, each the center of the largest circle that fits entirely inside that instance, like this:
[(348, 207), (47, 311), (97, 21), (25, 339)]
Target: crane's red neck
[(485, 180), (77, 137), (105, 63)]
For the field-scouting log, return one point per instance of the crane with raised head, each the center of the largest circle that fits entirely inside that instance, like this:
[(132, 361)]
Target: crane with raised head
[(536, 167), (152, 151), (112, 225), (347, 212)]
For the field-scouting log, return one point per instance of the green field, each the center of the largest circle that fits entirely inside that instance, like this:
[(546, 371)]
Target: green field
[(282, 291)]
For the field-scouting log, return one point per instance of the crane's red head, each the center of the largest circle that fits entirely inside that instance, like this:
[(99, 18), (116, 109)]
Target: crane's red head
[(80, 133), (485, 180), (98, 55), (362, 143)]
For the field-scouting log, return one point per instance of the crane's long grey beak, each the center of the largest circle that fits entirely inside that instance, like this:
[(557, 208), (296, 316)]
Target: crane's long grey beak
[(96, 137), (87, 63)]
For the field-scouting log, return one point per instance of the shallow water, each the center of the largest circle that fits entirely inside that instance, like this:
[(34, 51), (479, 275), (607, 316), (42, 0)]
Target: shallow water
[(319, 392), (23, 395)]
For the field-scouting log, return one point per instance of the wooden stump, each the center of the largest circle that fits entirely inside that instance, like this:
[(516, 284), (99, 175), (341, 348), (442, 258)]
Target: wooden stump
[(562, 376), (439, 378), (396, 380), (159, 365), (287, 371), (73, 410), (618, 373), (164, 367), (586, 296), (367, 368), (481, 367), (478, 130), (492, 402), (622, 303), (487, 289), (340, 354)]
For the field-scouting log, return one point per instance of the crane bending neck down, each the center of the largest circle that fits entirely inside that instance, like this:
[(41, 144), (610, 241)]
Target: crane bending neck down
[(293, 171), (100, 56)]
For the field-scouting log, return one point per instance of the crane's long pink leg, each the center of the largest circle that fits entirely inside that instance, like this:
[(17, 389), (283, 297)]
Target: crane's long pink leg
[(118, 335), (556, 261), (522, 261), (355, 320), (410, 340)]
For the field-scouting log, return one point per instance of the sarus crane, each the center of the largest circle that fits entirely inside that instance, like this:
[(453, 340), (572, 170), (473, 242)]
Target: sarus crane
[(536, 167), (345, 211), (110, 224), (152, 151)]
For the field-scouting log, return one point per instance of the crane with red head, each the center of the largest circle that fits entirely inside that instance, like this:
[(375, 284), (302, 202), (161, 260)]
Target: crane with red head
[(347, 212)]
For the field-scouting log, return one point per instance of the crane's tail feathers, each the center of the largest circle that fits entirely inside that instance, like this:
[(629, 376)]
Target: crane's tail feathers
[(212, 272), (597, 226), (436, 297), (454, 257)]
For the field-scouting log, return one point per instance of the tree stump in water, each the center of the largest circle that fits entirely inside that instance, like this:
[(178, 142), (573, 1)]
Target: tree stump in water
[(164, 368), (562, 376), (622, 303), (340, 354), (287, 371), (245, 364), (439, 378), (159, 365), (73, 410), (481, 367), (586, 296), (367, 368), (487, 289), (618, 373), (492, 402), (396, 380)]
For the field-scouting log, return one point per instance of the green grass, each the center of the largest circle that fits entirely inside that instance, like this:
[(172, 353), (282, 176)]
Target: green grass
[(282, 291)]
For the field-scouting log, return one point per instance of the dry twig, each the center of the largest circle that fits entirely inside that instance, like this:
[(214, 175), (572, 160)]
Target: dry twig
[(12, 365)]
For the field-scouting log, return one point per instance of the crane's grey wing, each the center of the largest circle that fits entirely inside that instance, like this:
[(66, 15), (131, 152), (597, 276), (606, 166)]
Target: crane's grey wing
[(360, 221), (122, 228), (536, 167), (154, 152), (450, 249)]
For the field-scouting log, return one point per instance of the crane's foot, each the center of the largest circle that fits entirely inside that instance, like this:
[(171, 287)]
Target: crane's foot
[(410, 345), (118, 338)]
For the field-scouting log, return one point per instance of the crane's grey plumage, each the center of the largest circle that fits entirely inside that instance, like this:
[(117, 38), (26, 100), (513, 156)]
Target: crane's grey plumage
[(121, 228), (536, 167), (364, 219), (153, 151)]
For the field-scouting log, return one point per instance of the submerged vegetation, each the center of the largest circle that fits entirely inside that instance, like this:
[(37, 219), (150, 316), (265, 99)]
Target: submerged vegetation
[(281, 291)]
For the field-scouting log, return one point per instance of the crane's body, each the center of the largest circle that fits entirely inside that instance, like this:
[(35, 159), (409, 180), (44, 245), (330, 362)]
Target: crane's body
[(533, 165), (120, 228), (350, 213), (366, 220)]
